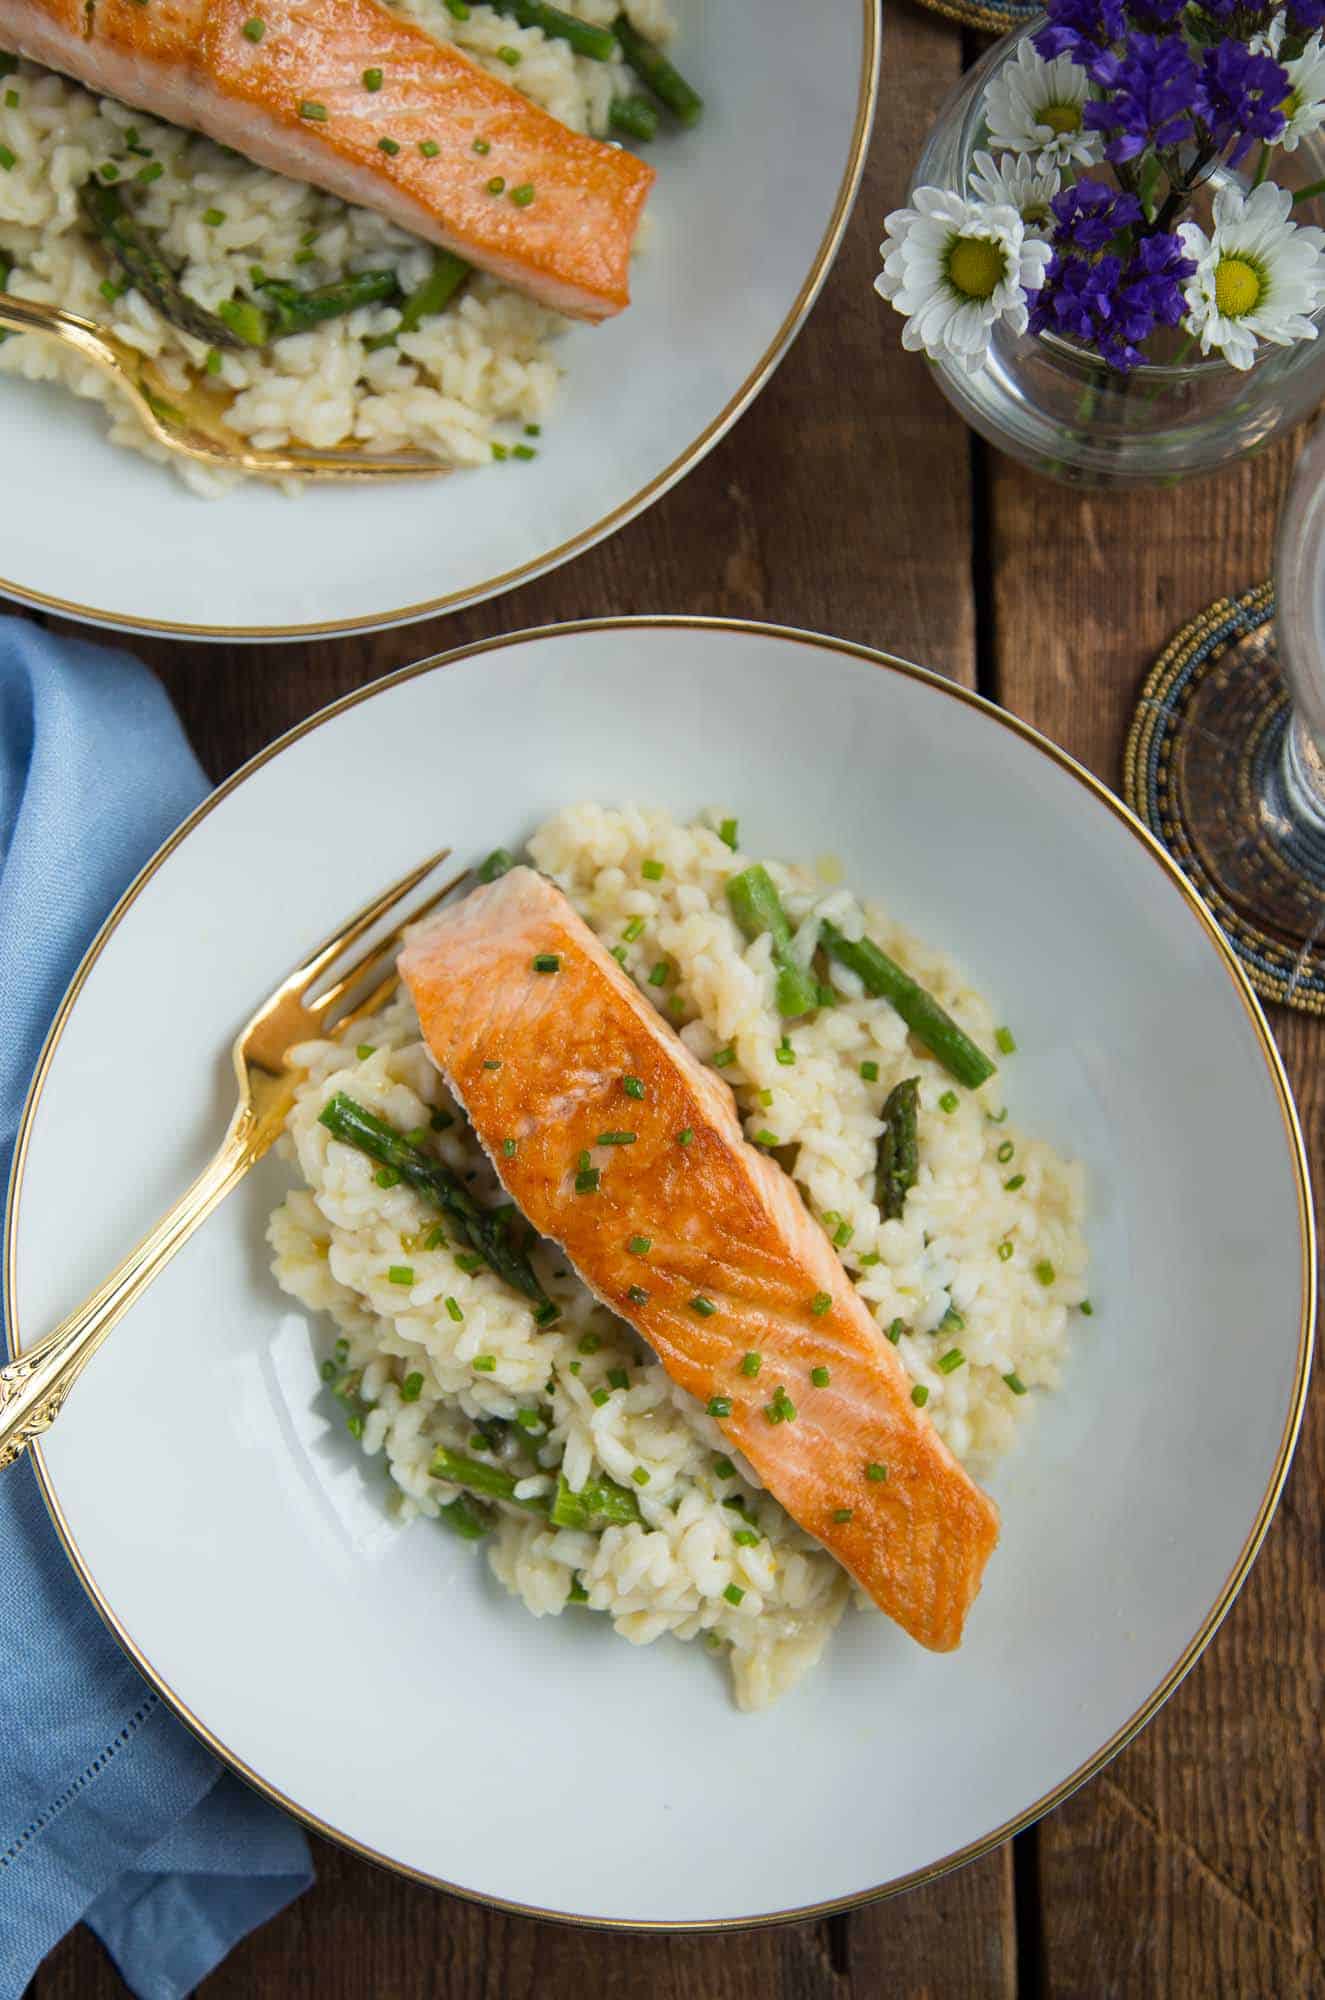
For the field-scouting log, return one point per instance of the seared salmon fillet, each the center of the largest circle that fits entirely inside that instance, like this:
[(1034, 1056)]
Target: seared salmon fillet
[(293, 99), (547, 1043)]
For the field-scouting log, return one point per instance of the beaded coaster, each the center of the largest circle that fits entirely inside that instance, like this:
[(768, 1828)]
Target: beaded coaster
[(990, 17), (1202, 757)]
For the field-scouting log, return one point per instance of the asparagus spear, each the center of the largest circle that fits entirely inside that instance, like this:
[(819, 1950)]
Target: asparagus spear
[(756, 906), (447, 275), (895, 1171), (293, 311), (464, 1520), (487, 1230), (134, 250), (931, 1024), (476, 1477), (600, 1503), (634, 116), (560, 26), (663, 79), (499, 862)]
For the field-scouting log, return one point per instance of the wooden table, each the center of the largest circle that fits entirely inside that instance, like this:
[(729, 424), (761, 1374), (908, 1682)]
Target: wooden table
[(852, 500)]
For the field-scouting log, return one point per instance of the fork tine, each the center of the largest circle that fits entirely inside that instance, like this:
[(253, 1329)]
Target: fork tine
[(378, 955), (331, 948)]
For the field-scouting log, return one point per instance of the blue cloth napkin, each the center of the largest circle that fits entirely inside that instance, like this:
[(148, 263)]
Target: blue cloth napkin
[(110, 1811)]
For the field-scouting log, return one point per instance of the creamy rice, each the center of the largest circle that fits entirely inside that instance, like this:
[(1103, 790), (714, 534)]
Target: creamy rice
[(465, 380), (975, 1264)]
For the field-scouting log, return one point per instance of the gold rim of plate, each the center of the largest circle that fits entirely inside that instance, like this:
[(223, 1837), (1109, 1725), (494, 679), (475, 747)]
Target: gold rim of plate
[(1306, 1228), (550, 559)]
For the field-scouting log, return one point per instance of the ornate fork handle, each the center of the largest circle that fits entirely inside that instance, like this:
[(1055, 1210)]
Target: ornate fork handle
[(33, 1387)]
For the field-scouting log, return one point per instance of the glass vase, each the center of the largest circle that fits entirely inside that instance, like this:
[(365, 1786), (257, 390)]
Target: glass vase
[(1061, 411)]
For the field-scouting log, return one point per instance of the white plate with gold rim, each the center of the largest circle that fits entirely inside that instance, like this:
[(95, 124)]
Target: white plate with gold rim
[(743, 230), (376, 1680)]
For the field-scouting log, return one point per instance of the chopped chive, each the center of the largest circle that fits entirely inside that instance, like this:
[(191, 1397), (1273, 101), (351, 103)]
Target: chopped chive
[(1004, 1252), (870, 1071), (820, 1304), (632, 1086), (751, 1363), (876, 1472), (429, 148), (724, 1058), (781, 1410), (389, 146), (895, 1331), (577, 1594), (497, 185), (1086, 1309), (616, 1139), (411, 1388), (704, 1307), (588, 1343), (545, 1314), (150, 173), (342, 1351), (640, 1476), (733, 1593), (633, 929), (618, 1378), (1015, 1383), (745, 1538), (254, 29), (458, 9), (652, 871), (1005, 1152), (949, 1101), (820, 1377), (111, 292), (533, 430), (586, 1181), (547, 961), (724, 1468), (720, 1406), (619, 953), (213, 217), (372, 79), (785, 1054), (453, 1310), (1017, 1181), (599, 1397), (766, 1138), (304, 256), (1044, 1271), (354, 1425), (640, 1246), (952, 1318), (637, 1295), (869, 1260), (469, 1263), (920, 1395), (310, 108), (950, 1361), (508, 1148), (998, 1117), (523, 451), (522, 196), (824, 996), (386, 1177), (660, 973), (843, 1234), (482, 1364), (728, 834), (401, 1274), (481, 146), (1005, 1041), (736, 1502), (685, 1137), (843, 1514), (366, 1049), (575, 1367), (328, 1371), (766, 1100), (508, 55)]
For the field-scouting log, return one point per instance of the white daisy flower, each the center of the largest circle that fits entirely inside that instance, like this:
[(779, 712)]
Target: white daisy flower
[(1017, 181), (1304, 106), (1034, 106), (956, 268), (1268, 40), (1258, 275)]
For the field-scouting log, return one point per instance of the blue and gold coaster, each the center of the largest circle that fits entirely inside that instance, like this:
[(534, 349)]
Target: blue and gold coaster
[(989, 19), (1202, 759)]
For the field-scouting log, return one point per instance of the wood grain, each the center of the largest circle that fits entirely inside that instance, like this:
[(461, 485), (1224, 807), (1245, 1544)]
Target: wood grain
[(1194, 1864)]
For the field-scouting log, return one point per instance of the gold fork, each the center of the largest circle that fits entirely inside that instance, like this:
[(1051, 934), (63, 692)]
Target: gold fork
[(194, 424), (34, 1385)]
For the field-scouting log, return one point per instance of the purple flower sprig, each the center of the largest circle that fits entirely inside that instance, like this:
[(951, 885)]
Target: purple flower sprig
[(1106, 288), (1153, 99), (1241, 98)]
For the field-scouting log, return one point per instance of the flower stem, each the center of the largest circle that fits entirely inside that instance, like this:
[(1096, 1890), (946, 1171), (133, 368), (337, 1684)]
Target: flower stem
[(1309, 193), (1262, 167)]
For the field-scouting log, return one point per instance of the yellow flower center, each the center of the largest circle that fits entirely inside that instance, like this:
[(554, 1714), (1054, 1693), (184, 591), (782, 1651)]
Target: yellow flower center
[(1239, 287), (1290, 106), (975, 266), (1060, 117)]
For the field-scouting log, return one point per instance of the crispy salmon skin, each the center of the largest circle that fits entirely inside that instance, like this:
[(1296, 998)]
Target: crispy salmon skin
[(502, 183), (549, 1045)]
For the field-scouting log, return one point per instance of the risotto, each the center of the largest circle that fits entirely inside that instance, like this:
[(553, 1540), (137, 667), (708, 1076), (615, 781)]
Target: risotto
[(432, 1350), (468, 383)]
